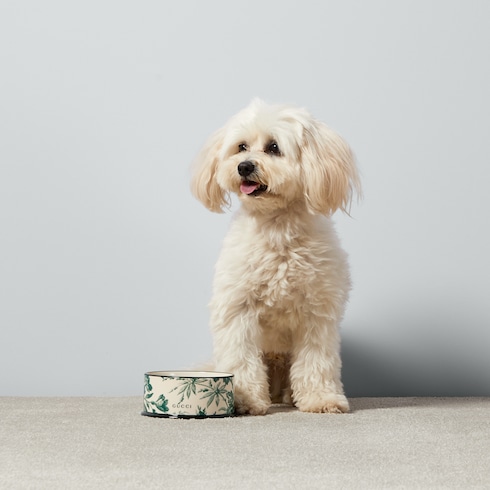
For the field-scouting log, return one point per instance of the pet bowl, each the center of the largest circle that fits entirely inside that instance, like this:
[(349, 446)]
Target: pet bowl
[(188, 394)]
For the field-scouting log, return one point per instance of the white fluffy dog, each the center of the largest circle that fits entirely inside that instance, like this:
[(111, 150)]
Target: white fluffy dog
[(282, 280)]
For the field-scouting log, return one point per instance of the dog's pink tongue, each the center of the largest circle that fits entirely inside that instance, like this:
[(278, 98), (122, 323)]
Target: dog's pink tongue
[(248, 187)]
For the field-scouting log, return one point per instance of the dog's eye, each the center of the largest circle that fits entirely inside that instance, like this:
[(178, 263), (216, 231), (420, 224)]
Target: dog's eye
[(242, 147), (273, 148)]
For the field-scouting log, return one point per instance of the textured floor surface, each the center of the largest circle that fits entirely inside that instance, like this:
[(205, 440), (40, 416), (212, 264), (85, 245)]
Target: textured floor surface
[(104, 443)]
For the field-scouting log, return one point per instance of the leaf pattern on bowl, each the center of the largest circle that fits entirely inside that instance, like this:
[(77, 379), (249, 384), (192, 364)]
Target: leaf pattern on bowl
[(154, 406), (215, 395), (187, 387)]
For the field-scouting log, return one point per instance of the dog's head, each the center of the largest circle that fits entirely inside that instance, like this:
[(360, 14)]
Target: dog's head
[(273, 156)]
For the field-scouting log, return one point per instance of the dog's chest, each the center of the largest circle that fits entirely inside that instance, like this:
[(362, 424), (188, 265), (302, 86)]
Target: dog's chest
[(281, 271), (279, 268), (282, 283), (278, 276)]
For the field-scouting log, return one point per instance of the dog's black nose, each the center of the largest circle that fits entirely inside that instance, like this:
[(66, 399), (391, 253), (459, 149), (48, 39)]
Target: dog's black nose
[(246, 168)]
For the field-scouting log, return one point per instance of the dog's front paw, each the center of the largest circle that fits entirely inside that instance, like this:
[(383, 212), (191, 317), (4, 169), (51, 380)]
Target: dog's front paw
[(245, 404), (326, 403)]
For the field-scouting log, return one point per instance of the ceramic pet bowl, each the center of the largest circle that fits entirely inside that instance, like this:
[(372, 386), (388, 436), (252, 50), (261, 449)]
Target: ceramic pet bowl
[(188, 394)]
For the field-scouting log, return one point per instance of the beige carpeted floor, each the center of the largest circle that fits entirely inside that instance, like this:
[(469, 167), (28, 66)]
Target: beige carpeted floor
[(104, 443)]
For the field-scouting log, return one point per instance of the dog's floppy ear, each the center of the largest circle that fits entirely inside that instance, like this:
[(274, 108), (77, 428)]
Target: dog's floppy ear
[(203, 184), (329, 171)]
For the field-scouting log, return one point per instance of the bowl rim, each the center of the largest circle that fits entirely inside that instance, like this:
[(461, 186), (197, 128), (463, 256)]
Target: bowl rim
[(189, 374)]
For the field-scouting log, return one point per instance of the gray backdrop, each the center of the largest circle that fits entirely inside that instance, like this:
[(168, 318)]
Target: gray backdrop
[(106, 259)]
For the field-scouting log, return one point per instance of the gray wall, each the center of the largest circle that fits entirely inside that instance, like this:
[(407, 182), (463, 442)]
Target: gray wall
[(106, 260)]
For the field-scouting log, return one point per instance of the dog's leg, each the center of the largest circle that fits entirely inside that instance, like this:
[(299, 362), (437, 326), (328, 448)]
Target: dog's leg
[(315, 370), (236, 351)]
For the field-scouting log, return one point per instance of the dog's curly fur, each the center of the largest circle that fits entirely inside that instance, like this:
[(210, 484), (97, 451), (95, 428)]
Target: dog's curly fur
[(282, 279)]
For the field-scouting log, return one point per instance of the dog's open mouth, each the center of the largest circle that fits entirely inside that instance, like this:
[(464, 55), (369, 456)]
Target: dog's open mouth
[(252, 188)]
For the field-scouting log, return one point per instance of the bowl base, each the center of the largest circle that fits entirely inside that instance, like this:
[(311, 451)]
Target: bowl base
[(183, 416)]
